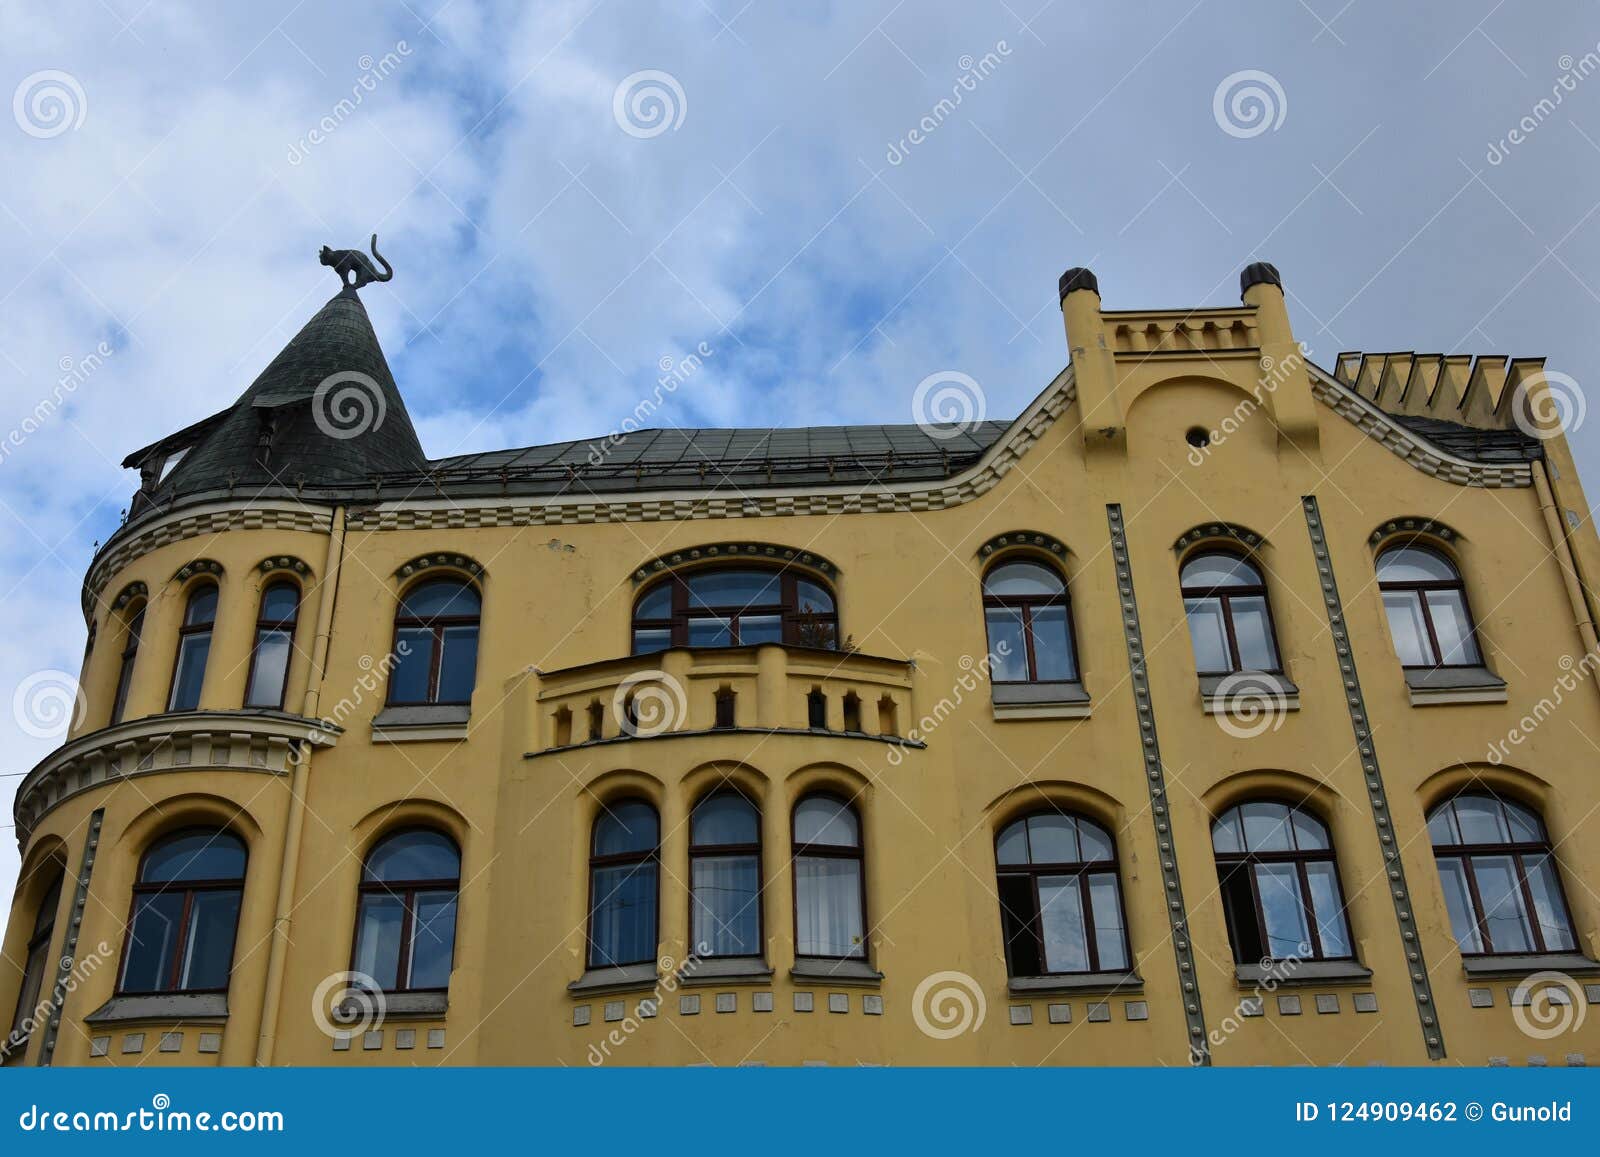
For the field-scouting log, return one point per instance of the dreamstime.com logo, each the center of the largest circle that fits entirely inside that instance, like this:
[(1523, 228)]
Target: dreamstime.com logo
[(648, 103), (348, 404), (1548, 1004), (1251, 705), (348, 1004), (947, 1004), (1559, 408), (49, 103), (47, 704), (649, 703), (948, 404), (1248, 103)]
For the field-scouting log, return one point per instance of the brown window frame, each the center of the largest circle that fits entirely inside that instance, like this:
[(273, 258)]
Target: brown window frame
[(406, 892), (787, 609), (437, 624), (125, 662), (858, 853), (187, 631), (708, 850), (1081, 870), (1301, 858), (189, 888), (1027, 604), (266, 626), (1224, 594), (1421, 587), (621, 859)]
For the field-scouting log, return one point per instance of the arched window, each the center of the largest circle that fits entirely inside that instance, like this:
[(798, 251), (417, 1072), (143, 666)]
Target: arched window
[(623, 884), (1230, 623), (734, 607), (1280, 885), (35, 964), (185, 914), (406, 921), (829, 886), (1499, 877), (1030, 628), (130, 652), (1060, 904), (269, 660), (1426, 602), (436, 644), (725, 876), (194, 647)]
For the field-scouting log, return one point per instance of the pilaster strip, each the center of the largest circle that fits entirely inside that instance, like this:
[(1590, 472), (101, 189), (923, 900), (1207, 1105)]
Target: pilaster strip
[(1155, 780), (69, 946), (1416, 967)]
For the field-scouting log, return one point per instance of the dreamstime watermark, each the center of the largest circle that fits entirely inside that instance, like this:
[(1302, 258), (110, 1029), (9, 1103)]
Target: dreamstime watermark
[(373, 679), (1548, 1004), (649, 703), (948, 1004), (648, 103), (1559, 408), (975, 673), (47, 704), (74, 373), (671, 977), (674, 372), (373, 73), (49, 103), (77, 972), (1572, 72), (1575, 672), (1274, 974), (1248, 103), (347, 1004), (973, 73), (1275, 371), (348, 404), (948, 404), (160, 1117), (1250, 704)]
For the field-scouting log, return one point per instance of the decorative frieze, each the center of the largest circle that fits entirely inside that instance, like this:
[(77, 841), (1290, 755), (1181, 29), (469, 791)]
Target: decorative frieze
[(1024, 538), (69, 944), (1403, 526), (1218, 531), (735, 551), (440, 559)]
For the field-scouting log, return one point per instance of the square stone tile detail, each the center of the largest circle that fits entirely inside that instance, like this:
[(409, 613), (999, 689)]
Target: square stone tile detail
[(1099, 1010), (647, 1008), (341, 1042), (614, 1010), (1022, 1014), (1365, 1001), (1060, 1013), (1481, 997), (405, 1038), (872, 1004), (1250, 1006), (761, 1001), (1499, 1062), (1576, 1061), (727, 1002), (1136, 1009), (838, 1002), (99, 1046), (689, 1005), (1327, 1002), (171, 1042), (1518, 995), (436, 1038), (372, 1040), (580, 1015), (211, 1042), (1558, 994), (1289, 1006), (133, 1042), (1592, 992), (1537, 1062), (804, 1002)]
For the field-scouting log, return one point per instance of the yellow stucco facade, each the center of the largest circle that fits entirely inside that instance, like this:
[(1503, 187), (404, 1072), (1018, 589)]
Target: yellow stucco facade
[(1309, 473)]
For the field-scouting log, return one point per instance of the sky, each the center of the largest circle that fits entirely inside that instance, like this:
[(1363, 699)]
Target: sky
[(826, 202)]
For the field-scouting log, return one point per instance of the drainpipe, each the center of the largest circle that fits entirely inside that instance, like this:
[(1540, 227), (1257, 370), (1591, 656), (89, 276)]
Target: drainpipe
[(1563, 551), (295, 826)]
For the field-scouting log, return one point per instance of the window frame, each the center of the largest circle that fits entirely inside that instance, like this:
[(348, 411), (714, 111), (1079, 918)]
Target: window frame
[(787, 608), (1421, 588), (189, 888), (266, 626), (858, 853), (712, 850), (187, 631), (436, 625), (1224, 595), (36, 949), (126, 659), (1229, 862), (1027, 604), (1514, 851), (620, 859), (1080, 870), (407, 896)]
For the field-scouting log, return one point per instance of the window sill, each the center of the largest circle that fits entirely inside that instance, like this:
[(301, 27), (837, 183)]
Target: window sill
[(1248, 692), (189, 1007), (734, 970), (1525, 964), (856, 973), (1078, 982), (1439, 685), (421, 722), (616, 978), (396, 1006), (1286, 974), (1048, 700)]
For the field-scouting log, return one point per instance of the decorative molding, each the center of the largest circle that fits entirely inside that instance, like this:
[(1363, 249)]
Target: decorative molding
[(69, 945), (445, 559), (760, 551), (1212, 531), (283, 562), (1155, 780), (198, 567), (134, 590), (1025, 539), (1405, 913), (1407, 526)]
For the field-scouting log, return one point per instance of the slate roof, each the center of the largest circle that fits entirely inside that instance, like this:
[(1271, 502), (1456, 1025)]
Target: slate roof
[(1472, 443)]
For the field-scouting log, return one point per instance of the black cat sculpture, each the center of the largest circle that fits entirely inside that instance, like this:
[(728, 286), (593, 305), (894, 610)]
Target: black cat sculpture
[(353, 267)]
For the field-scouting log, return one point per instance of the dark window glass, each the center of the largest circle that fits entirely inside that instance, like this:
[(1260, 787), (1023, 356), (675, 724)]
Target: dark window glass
[(185, 914), (436, 644), (829, 885), (624, 863), (1060, 902), (725, 876), (130, 652), (1426, 604), (269, 661), (1026, 613), (38, 959), (1499, 877), (1230, 623), (1280, 887), (734, 607), (406, 917), (194, 647)]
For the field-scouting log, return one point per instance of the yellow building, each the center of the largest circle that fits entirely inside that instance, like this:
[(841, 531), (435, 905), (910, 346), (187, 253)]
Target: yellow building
[(1218, 708)]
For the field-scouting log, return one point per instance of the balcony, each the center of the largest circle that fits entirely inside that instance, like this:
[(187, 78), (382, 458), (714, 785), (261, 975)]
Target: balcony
[(769, 689)]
